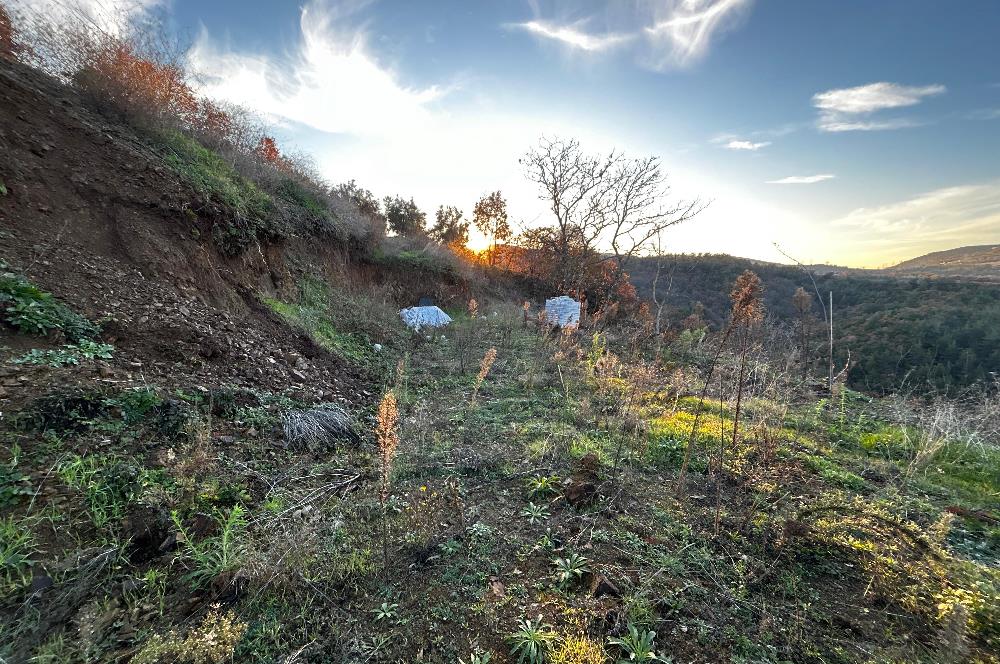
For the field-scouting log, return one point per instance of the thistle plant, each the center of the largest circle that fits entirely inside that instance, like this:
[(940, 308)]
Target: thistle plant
[(531, 642), (535, 513), (484, 369), (387, 434), (638, 645), (570, 568), (748, 311)]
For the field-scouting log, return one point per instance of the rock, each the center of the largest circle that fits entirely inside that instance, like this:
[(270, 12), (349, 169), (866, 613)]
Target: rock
[(40, 583), (602, 586)]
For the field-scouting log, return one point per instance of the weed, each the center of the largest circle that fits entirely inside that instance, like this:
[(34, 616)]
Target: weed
[(216, 554), (67, 354), (386, 611), (543, 485), (535, 513), (13, 483), (532, 641), (211, 642), (477, 657), (484, 369), (17, 544), (638, 645), (578, 650), (570, 568), (109, 485), (31, 310)]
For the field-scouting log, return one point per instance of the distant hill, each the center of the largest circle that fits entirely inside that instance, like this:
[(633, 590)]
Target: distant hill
[(901, 325), (979, 262)]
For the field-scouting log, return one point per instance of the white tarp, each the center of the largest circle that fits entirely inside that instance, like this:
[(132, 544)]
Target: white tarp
[(418, 317), (562, 311)]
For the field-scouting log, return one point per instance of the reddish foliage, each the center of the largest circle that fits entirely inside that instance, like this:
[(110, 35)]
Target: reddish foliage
[(8, 45), (267, 150), (137, 85)]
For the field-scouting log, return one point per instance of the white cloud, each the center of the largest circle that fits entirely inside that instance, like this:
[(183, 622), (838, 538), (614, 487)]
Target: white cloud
[(932, 221), (984, 114), (873, 97), (665, 34), (333, 82), (109, 16), (847, 109), (746, 145), (683, 30), (803, 179), (835, 124), (574, 36)]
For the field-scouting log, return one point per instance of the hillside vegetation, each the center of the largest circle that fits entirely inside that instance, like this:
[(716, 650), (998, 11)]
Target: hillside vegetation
[(902, 332), (221, 444)]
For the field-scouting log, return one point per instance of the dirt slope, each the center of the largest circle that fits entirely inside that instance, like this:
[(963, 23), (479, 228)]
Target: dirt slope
[(94, 216)]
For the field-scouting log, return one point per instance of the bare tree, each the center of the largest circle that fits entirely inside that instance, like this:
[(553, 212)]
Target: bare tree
[(635, 209), (601, 203), (802, 302)]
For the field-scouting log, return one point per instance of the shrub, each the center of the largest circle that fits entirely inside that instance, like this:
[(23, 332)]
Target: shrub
[(211, 642)]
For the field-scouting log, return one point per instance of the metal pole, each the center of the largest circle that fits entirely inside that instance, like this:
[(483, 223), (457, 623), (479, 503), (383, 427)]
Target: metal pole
[(830, 380)]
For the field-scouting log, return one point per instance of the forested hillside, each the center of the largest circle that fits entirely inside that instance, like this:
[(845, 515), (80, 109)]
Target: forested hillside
[(901, 331)]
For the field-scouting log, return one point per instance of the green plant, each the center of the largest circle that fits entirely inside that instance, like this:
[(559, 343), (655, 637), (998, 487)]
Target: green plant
[(108, 485), (217, 554), (532, 641), (477, 657), (570, 568), (387, 611), (67, 354), (13, 483), (31, 310), (17, 544), (535, 513), (543, 485), (638, 645), (451, 547)]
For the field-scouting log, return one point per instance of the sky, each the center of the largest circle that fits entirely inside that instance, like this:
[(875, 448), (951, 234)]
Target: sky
[(844, 131)]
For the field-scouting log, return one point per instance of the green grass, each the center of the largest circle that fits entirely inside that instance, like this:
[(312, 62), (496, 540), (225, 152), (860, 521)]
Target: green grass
[(214, 178), (347, 327), (834, 473), (249, 207), (417, 261), (17, 546)]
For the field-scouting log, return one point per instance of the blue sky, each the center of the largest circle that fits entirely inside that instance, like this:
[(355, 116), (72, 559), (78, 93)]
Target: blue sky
[(849, 131)]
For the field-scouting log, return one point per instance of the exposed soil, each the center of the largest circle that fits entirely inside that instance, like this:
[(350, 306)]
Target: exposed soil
[(93, 216)]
